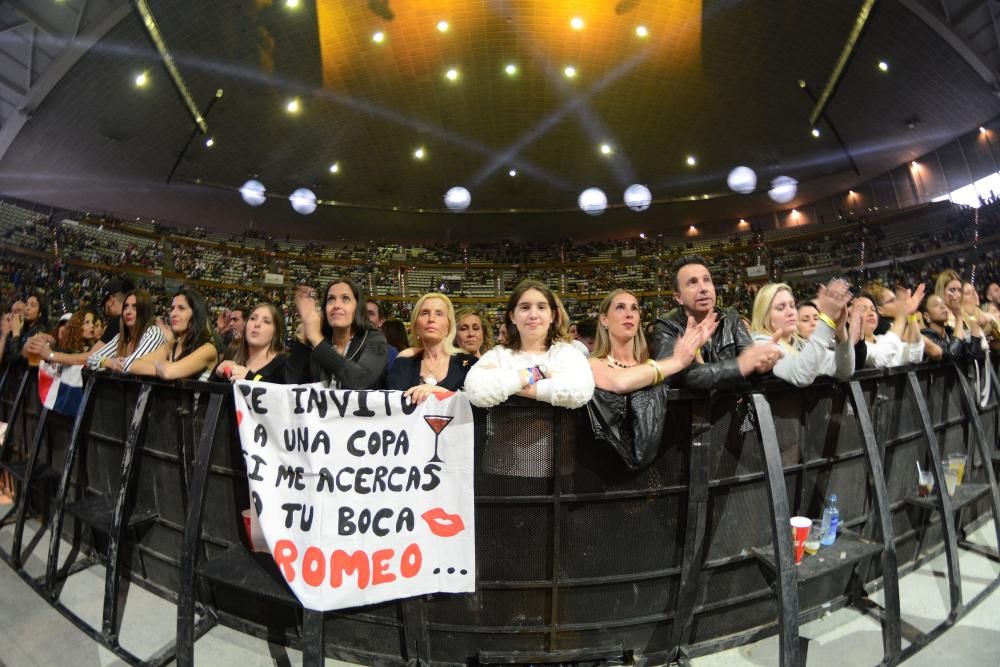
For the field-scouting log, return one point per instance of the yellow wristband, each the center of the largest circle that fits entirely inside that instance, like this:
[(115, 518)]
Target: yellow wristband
[(914, 317), (826, 320)]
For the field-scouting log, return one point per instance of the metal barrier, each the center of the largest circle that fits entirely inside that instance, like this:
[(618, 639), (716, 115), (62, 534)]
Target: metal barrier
[(578, 559)]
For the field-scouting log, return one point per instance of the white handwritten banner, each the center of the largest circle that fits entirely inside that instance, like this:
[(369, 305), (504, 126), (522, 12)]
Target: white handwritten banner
[(362, 497)]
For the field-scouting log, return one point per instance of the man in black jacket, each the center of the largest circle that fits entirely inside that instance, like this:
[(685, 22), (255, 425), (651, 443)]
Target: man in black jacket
[(730, 355)]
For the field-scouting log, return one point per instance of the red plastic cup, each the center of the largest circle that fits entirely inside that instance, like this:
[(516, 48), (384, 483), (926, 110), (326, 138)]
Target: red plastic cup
[(800, 531), (246, 526)]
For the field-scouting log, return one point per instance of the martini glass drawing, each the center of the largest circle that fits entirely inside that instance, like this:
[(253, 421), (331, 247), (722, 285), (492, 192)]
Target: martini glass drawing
[(437, 424)]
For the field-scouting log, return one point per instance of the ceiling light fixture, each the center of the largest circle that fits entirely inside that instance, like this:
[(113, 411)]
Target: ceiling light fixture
[(420, 153), (457, 198), (570, 72), (592, 201), (209, 142), (378, 37), (642, 31), (452, 74), (293, 106), (511, 69), (141, 80), (638, 198), (576, 23), (442, 26), (691, 161), (335, 168), (815, 132), (512, 173), (291, 4), (883, 65), (605, 149)]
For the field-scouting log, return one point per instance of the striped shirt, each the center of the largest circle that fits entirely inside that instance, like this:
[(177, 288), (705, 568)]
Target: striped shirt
[(151, 339)]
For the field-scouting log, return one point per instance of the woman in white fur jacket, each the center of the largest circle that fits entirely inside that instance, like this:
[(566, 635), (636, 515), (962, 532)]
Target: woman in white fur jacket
[(537, 361)]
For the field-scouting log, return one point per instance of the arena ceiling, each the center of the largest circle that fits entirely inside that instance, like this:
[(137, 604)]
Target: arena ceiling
[(656, 82)]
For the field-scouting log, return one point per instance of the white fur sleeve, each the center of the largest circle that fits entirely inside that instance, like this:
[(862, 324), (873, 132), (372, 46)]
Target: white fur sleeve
[(490, 382), (571, 383)]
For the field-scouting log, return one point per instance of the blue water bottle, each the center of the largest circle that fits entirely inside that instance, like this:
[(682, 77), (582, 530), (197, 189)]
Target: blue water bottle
[(831, 518)]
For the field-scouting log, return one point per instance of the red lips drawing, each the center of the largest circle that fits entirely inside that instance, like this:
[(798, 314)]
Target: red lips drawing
[(443, 524)]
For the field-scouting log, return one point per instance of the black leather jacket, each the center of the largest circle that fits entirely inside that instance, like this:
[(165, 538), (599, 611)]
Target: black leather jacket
[(720, 369), (955, 348)]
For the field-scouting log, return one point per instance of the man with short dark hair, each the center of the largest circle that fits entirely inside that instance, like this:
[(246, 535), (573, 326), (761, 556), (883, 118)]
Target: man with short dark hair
[(114, 298), (993, 294), (586, 333), (730, 355), (236, 323), (376, 313)]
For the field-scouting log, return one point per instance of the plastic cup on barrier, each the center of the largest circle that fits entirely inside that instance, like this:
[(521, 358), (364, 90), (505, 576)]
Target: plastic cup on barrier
[(950, 480), (812, 543), (956, 462), (925, 483), (255, 538), (800, 531)]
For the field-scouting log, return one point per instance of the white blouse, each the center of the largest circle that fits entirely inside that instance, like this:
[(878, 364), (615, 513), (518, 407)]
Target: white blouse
[(818, 355), (569, 382), (888, 350)]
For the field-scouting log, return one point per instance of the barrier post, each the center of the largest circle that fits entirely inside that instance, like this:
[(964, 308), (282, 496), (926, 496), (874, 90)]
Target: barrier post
[(786, 580)]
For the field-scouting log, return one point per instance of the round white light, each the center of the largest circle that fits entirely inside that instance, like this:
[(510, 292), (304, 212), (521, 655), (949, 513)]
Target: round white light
[(378, 37), (642, 31), (452, 74), (593, 201), (511, 69), (783, 189), (303, 201), (576, 23), (442, 26), (570, 72), (512, 173), (638, 197), (457, 199), (742, 180), (253, 192)]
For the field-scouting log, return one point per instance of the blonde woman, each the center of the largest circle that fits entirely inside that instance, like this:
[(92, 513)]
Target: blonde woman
[(620, 360), (830, 348), (432, 365)]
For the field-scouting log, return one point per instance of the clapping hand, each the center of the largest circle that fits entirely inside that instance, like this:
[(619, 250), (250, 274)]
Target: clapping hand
[(309, 314), (695, 335)]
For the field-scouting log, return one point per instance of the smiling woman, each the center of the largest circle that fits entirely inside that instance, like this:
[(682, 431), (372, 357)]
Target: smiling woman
[(336, 345), (537, 360)]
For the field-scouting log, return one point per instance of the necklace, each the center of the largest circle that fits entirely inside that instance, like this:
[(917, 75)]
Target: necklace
[(429, 377), (618, 364)]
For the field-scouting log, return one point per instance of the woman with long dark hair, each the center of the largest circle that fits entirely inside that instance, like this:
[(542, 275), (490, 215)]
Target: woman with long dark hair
[(137, 335), (336, 344), (190, 350), (32, 323), (261, 353)]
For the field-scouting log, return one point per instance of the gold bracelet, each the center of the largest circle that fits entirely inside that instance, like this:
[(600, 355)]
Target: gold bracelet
[(827, 321), (658, 374)]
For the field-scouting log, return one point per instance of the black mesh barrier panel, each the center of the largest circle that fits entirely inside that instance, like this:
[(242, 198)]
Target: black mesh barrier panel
[(574, 552)]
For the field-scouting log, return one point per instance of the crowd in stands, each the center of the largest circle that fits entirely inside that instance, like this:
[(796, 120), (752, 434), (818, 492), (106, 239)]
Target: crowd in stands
[(72, 262)]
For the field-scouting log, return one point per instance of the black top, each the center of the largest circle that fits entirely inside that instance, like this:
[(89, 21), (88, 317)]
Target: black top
[(405, 372), (111, 325), (955, 348), (276, 372), (363, 367)]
